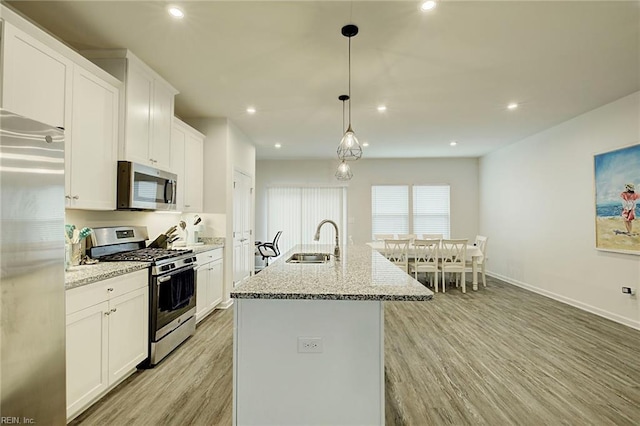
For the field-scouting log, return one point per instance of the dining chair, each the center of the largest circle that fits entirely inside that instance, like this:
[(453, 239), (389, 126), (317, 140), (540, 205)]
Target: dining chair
[(431, 236), (452, 260), (410, 237), (382, 237), (481, 243), (425, 259), (397, 252)]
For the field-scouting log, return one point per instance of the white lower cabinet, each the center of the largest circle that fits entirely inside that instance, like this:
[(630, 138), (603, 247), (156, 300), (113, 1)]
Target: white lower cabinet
[(209, 281), (107, 336)]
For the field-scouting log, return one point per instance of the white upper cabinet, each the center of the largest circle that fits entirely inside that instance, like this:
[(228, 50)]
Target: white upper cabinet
[(148, 107), (139, 92), (162, 115), (187, 162), (45, 80), (91, 155), (36, 80), (177, 160)]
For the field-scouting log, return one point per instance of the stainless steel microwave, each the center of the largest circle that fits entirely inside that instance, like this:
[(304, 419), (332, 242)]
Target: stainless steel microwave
[(145, 188)]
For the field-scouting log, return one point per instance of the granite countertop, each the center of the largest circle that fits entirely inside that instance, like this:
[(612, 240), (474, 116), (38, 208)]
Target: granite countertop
[(361, 274), (81, 275), (202, 247)]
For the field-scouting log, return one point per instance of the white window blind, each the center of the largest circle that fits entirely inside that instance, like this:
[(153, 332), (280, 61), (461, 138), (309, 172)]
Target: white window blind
[(431, 210), (298, 211), (389, 209)]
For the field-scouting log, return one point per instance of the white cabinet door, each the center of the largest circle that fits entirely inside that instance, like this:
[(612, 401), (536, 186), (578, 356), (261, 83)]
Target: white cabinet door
[(162, 115), (87, 356), (202, 291), (128, 332), (92, 154), (177, 163), (194, 173), (139, 92), (36, 80), (215, 283)]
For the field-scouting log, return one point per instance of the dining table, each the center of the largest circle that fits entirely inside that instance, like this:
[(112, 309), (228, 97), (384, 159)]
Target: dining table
[(474, 254)]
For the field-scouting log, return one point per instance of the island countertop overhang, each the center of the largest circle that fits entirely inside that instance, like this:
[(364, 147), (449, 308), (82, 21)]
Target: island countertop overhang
[(361, 274)]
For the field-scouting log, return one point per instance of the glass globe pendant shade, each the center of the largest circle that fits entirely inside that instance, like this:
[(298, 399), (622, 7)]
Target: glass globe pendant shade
[(349, 148), (344, 171)]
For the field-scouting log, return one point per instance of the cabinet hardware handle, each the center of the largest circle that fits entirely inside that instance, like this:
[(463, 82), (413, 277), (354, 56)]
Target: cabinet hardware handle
[(114, 309), (108, 313), (68, 197), (110, 289), (187, 205), (75, 197)]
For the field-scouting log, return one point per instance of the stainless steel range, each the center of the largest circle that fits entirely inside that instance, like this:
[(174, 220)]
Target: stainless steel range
[(172, 284)]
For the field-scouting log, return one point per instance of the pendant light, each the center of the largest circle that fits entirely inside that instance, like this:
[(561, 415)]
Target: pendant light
[(344, 171), (349, 148)]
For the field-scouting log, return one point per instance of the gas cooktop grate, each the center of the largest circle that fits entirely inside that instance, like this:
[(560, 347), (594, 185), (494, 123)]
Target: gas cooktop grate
[(145, 255)]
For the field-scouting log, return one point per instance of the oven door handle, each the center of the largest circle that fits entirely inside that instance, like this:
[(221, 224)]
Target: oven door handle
[(164, 279)]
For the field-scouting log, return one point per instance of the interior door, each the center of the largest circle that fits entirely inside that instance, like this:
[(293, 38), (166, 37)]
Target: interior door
[(242, 229)]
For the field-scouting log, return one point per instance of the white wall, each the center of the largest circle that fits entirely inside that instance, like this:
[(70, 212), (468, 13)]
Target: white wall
[(156, 223), (226, 149), (460, 173), (537, 208)]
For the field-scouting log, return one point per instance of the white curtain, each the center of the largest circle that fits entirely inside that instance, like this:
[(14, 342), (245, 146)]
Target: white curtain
[(297, 211)]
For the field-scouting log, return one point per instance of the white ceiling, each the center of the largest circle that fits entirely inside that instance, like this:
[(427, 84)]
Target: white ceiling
[(444, 75)]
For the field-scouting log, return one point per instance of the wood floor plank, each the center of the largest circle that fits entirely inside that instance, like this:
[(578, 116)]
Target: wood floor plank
[(498, 356)]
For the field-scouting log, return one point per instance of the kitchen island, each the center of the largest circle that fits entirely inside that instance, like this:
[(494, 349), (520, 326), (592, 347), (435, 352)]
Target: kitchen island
[(309, 338)]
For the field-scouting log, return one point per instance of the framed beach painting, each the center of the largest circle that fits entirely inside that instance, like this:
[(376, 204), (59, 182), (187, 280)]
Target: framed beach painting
[(617, 180)]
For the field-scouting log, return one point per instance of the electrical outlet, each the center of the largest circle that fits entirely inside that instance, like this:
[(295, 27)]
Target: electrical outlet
[(309, 344), (628, 290)]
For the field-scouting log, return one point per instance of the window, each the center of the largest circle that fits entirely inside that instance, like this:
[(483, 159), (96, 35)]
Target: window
[(431, 210), (298, 211), (429, 205), (390, 209)]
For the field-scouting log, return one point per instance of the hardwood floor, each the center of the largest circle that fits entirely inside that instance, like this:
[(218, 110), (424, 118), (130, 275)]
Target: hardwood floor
[(498, 356)]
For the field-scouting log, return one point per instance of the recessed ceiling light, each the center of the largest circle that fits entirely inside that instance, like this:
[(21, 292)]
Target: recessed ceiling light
[(512, 105), (365, 144), (428, 5), (251, 110), (176, 12), (453, 143), (278, 145), (382, 108)]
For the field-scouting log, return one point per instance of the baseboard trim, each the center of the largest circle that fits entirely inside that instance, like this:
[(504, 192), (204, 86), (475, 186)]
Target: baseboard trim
[(225, 305), (575, 303)]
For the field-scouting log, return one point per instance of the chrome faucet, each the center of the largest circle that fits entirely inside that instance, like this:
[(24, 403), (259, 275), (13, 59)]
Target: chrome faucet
[(336, 250)]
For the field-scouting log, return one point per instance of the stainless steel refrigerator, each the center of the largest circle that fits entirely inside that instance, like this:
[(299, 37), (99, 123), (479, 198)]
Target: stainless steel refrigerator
[(32, 298)]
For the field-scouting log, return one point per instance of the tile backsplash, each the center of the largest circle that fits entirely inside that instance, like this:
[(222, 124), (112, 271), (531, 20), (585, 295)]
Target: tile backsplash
[(156, 223)]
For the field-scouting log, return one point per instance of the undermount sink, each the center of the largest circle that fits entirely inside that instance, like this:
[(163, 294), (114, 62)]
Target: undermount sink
[(309, 258)]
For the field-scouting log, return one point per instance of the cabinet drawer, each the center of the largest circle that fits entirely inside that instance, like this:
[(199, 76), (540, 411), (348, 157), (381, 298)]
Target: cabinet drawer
[(209, 256), (91, 294)]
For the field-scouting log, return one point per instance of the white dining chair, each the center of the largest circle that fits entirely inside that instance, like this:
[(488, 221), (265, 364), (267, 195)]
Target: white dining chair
[(452, 259), (409, 237), (397, 252), (382, 237), (425, 259), (481, 243), (431, 236)]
